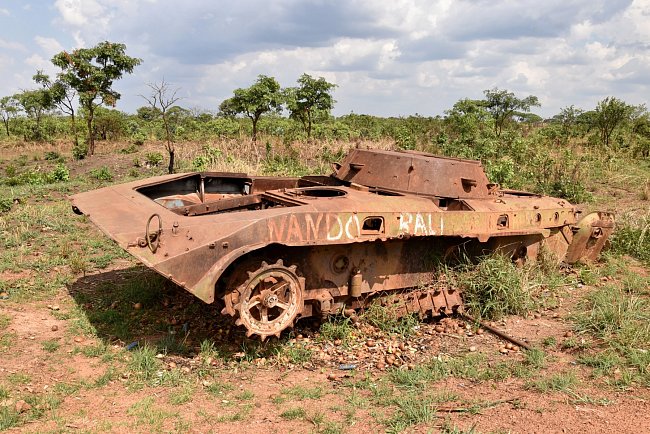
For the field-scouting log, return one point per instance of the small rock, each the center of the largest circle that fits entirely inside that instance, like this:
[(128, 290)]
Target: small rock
[(503, 350), (160, 356), (537, 315), (370, 343), (331, 376), (439, 329), (185, 370), (568, 334), (22, 406), (515, 348), (171, 365), (78, 339), (338, 342), (137, 306), (509, 346), (206, 383), (479, 332), (54, 307), (472, 349), (381, 366), (55, 327), (390, 359), (401, 346)]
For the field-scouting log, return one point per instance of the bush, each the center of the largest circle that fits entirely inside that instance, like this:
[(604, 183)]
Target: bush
[(60, 174), (632, 237), (80, 151), (5, 204), (153, 159), (495, 287), (103, 174), (53, 156)]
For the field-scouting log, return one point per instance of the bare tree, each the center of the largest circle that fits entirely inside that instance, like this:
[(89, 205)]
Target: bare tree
[(161, 98)]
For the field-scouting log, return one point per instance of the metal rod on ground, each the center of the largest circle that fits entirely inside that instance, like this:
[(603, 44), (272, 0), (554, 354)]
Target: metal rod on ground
[(495, 331)]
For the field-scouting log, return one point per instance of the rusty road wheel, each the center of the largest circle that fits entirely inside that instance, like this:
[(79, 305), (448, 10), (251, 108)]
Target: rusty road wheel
[(270, 300)]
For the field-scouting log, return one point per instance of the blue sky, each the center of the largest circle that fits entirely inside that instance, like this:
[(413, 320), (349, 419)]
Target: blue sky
[(388, 57)]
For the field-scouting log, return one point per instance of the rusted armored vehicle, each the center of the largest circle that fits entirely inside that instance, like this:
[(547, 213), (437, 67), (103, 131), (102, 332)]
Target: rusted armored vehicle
[(276, 249)]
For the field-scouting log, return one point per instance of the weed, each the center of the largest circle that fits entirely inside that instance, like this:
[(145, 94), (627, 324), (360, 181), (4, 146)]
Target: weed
[(562, 382), (632, 237), (146, 412), (496, 287), (536, 358), (387, 319), (411, 410), (550, 341), (51, 346), (294, 413), (299, 393), (153, 159), (102, 174), (143, 363), (217, 388), (338, 328), (181, 395), (9, 418), (297, 354), (245, 395)]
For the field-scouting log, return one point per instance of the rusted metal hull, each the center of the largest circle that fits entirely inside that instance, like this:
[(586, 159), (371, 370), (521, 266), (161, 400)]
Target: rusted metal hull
[(274, 249)]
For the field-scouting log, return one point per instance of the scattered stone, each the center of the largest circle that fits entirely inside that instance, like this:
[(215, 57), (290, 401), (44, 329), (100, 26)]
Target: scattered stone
[(22, 406), (509, 346), (503, 350), (55, 327)]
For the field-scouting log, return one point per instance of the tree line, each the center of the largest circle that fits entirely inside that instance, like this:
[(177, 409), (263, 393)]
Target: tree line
[(84, 89)]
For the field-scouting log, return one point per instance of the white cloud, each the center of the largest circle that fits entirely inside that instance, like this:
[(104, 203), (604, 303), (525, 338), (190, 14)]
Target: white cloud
[(50, 46), (5, 12), (12, 45)]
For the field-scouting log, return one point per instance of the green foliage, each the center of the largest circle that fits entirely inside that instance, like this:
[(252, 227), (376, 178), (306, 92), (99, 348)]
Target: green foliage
[(609, 114), (153, 159), (312, 97), (632, 237), (503, 105), (5, 204), (386, 319), (102, 173), (61, 173), (496, 287), (262, 97), (91, 72), (336, 328), (80, 151)]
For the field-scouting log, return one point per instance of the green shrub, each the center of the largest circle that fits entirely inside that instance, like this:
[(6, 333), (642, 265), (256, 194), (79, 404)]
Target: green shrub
[(53, 156), (153, 159), (5, 204), (495, 287), (632, 237), (60, 174), (80, 151), (103, 174)]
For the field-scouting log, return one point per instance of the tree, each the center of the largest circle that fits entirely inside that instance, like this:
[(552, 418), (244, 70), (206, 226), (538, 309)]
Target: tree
[(262, 97), (62, 96), (35, 103), (467, 117), (311, 96), (91, 72), (503, 105), (161, 99), (569, 117), (610, 113), (8, 109)]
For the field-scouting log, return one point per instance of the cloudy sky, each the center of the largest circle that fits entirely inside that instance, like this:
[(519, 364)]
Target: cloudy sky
[(388, 57)]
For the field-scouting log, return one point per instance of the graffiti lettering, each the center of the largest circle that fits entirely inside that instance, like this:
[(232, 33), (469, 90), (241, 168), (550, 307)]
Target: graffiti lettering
[(416, 224)]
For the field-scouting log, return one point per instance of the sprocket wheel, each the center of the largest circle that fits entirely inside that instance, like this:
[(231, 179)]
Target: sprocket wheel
[(269, 300)]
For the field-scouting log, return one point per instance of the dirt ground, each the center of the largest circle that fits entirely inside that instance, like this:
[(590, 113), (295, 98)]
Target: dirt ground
[(86, 356)]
